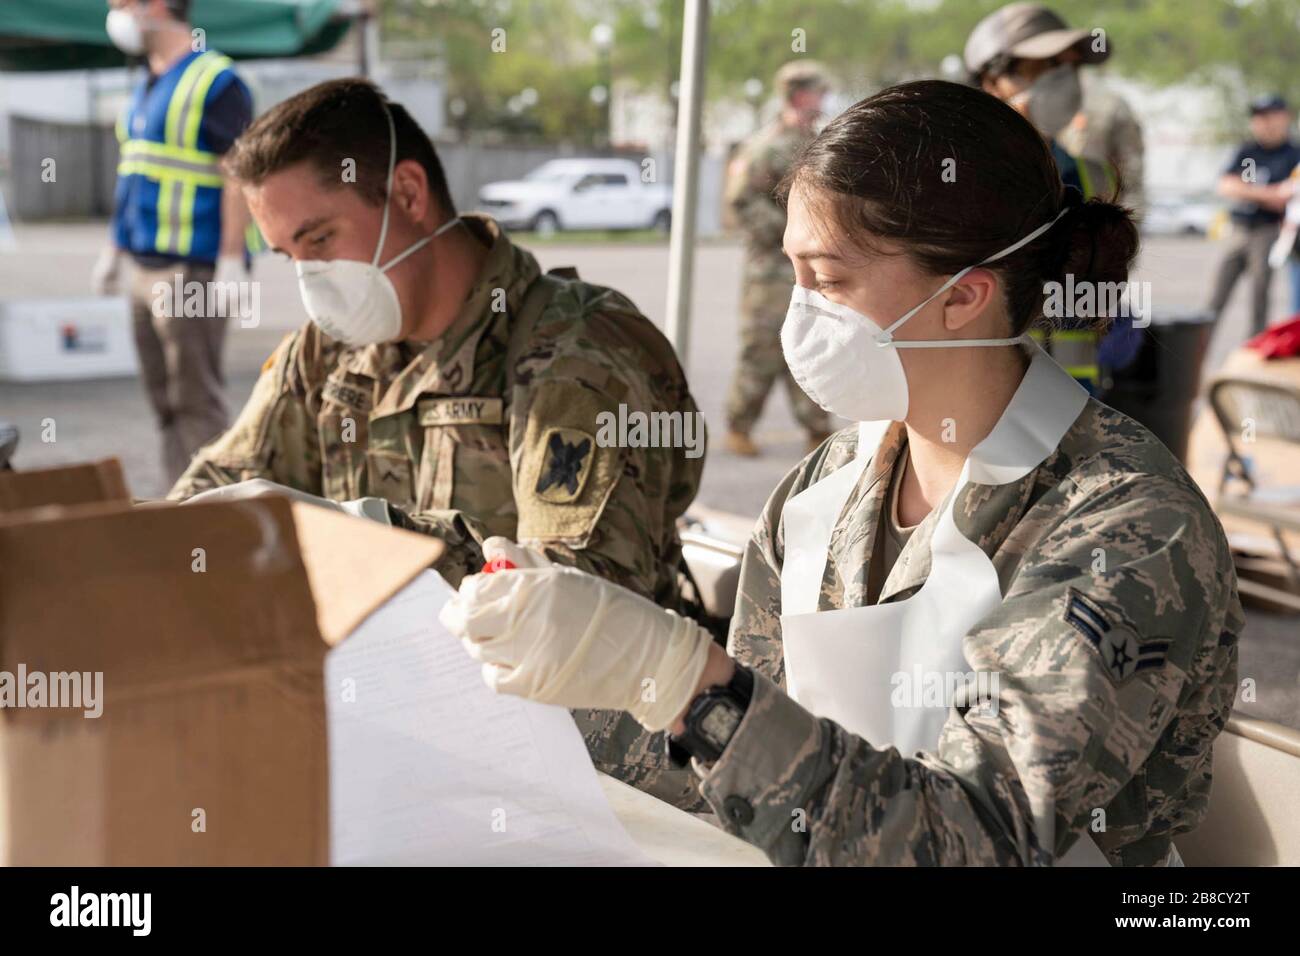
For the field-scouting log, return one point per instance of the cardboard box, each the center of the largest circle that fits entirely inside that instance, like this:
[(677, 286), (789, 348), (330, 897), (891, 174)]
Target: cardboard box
[(209, 624), (69, 485), (210, 747)]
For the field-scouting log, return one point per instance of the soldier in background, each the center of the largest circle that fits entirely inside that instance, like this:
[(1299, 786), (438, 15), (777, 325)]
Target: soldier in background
[(759, 166), (1106, 131), (1026, 55)]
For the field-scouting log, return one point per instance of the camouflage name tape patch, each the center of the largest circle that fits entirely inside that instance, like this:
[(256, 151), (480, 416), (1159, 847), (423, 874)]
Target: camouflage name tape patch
[(349, 395), (566, 465), (461, 410), (1122, 654)]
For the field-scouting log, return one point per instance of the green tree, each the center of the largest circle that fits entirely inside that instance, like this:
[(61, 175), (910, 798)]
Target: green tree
[(1238, 47)]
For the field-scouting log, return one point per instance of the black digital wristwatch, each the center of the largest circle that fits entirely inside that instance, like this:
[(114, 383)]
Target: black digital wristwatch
[(712, 719)]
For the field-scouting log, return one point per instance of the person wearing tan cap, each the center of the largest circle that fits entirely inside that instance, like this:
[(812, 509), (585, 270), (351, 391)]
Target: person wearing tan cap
[(1028, 56), (759, 167)]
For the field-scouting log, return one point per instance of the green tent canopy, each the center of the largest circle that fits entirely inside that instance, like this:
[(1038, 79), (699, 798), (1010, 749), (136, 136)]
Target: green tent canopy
[(69, 34)]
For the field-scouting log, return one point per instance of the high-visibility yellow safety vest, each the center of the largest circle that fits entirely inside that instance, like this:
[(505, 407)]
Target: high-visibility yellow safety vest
[(1092, 174), (169, 179), (1076, 350)]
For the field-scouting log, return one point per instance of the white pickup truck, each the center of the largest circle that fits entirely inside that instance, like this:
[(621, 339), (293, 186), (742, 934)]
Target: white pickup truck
[(579, 194)]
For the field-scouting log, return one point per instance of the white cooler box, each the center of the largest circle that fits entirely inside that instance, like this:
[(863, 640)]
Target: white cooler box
[(44, 340)]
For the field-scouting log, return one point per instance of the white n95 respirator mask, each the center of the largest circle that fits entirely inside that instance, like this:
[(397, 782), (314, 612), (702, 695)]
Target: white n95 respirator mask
[(849, 365), (354, 301), (125, 31)]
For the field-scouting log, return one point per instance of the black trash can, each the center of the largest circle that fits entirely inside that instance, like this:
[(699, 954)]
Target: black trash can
[(1160, 385)]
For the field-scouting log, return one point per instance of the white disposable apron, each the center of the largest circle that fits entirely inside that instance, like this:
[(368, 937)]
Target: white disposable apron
[(841, 664)]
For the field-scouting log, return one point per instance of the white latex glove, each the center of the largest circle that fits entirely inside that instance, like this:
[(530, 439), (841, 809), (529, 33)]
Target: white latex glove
[(497, 548), (106, 273), (561, 636), (1280, 251), (376, 509), (230, 268)]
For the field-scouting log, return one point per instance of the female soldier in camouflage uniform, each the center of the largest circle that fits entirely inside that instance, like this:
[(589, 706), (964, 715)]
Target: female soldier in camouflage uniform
[(996, 622)]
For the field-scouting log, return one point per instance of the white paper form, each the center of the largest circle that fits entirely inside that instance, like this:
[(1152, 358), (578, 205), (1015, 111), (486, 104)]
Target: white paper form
[(430, 766)]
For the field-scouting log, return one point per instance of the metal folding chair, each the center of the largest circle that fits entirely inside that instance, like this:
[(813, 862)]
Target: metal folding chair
[(1259, 408)]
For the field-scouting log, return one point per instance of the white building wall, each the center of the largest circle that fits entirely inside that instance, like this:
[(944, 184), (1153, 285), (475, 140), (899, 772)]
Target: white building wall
[(99, 96)]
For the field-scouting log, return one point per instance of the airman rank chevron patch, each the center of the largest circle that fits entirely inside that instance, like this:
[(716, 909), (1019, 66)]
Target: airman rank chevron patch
[(1122, 654)]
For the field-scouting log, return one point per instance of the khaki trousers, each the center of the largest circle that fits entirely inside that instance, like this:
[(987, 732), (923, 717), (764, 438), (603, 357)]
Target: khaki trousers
[(1247, 253), (180, 362)]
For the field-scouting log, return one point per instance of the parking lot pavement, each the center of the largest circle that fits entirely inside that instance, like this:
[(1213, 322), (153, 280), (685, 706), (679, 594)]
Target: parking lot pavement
[(102, 418)]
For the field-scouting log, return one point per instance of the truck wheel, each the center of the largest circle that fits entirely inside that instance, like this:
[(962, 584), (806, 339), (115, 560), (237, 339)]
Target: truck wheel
[(546, 223), (663, 222)]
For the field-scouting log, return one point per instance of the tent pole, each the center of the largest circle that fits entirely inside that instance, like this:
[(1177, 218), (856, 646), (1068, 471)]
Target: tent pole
[(365, 25), (681, 243)]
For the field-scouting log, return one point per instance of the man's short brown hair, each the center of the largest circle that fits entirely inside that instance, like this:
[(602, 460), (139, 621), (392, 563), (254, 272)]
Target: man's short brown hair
[(339, 127)]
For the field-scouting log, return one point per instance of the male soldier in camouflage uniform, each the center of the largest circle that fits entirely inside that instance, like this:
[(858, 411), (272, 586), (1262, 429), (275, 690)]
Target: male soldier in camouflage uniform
[(1081, 724), (483, 426), (768, 276)]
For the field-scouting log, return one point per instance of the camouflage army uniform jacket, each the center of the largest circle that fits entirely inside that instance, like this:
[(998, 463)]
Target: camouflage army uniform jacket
[(458, 455), (759, 168), (1109, 524)]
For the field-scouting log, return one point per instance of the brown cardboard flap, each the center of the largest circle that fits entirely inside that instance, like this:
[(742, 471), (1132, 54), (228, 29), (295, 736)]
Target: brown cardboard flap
[(69, 485), (355, 565), (157, 593), (210, 747)]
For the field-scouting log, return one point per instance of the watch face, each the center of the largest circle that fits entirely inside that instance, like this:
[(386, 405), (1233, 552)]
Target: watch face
[(720, 723)]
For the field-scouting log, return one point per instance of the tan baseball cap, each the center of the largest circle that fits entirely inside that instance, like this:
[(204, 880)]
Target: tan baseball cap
[(801, 75), (1026, 31)]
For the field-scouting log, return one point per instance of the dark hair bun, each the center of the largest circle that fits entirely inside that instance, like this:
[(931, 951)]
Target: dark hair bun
[(881, 170), (1098, 243)]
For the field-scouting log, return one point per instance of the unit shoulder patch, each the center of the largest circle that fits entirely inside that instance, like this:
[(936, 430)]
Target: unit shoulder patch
[(566, 464), (284, 346), (1122, 654), (563, 476)]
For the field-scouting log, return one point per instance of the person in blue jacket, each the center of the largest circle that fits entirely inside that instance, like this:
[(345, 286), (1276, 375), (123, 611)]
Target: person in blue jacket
[(176, 221)]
